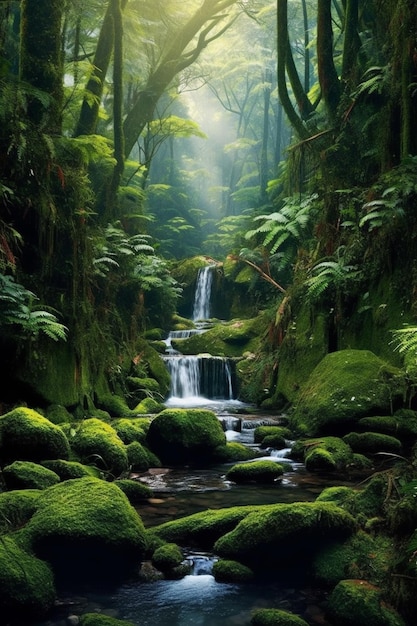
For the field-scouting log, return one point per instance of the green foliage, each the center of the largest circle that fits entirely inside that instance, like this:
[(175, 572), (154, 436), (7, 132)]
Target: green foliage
[(333, 274), (22, 317)]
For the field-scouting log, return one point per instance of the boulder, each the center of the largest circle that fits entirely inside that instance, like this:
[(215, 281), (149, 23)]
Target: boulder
[(255, 472), (276, 617), (86, 528), (183, 436), (26, 435), (344, 387), (370, 443), (70, 469), (28, 475), (96, 442), (226, 571), (326, 454), (16, 508)]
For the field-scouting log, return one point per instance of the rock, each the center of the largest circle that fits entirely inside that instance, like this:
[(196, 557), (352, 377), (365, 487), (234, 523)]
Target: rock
[(16, 508), (255, 472), (370, 443), (226, 571), (28, 475), (96, 442), (276, 617)]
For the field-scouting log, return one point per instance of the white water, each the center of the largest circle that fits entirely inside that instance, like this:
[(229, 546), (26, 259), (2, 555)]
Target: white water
[(202, 296)]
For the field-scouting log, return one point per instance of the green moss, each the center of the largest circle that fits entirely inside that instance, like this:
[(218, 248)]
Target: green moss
[(371, 443), (338, 495), (26, 584), (293, 531), (98, 619), (344, 387), (28, 475), (358, 603), (96, 442), (275, 617), (167, 557), (360, 556), (370, 501), (148, 406), (147, 384), (58, 414), (324, 454), (140, 458), (25, 435), (180, 436), (403, 428), (86, 528), (154, 365), (234, 451), (130, 430), (70, 469), (16, 508), (115, 405), (225, 571), (261, 432), (134, 490), (255, 472)]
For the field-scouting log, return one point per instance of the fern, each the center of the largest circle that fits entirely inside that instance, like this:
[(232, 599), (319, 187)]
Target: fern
[(331, 274)]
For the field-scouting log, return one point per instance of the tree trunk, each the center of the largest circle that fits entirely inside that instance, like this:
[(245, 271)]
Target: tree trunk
[(328, 78)]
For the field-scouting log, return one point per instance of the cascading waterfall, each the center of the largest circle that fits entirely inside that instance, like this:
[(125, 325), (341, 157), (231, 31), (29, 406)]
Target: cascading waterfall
[(201, 310), (203, 377)]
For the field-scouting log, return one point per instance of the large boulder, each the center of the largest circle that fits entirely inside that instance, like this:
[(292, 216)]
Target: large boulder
[(16, 508), (86, 528), (96, 442), (26, 584), (28, 475), (25, 435), (344, 387), (183, 436)]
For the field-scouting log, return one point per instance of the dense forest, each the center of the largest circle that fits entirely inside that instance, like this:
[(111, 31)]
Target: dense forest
[(141, 140)]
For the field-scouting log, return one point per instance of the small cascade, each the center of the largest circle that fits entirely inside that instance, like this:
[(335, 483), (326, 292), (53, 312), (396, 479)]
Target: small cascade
[(200, 376), (201, 310), (179, 334)]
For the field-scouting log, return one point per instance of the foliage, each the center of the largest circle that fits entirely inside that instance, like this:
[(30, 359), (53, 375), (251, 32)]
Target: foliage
[(19, 313), (333, 274)]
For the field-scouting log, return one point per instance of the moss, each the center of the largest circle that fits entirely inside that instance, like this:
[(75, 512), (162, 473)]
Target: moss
[(130, 430), (134, 490), (358, 603), (370, 501), (147, 384), (98, 619), (96, 442), (225, 571), (402, 517), (140, 458), (16, 508), (293, 531), (234, 451), (148, 406), (275, 617), (338, 495), (255, 472), (261, 432), (403, 428), (70, 469), (180, 436), (115, 405), (26, 584), (274, 441), (154, 365), (344, 387), (25, 435), (324, 454), (28, 475), (167, 557), (86, 528), (360, 556), (58, 414), (371, 443)]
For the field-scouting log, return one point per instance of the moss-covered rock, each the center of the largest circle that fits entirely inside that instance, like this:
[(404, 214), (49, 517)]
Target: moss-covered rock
[(114, 405), (16, 508), (25, 435), (133, 429), (96, 442), (154, 365), (255, 472), (344, 387), (27, 588), (70, 469), (98, 619), (135, 491), (368, 502), (167, 557), (359, 603), (292, 531), (148, 406), (370, 443), (324, 454), (233, 451), (276, 617), (86, 528), (339, 495), (58, 414), (402, 425), (181, 436), (140, 458), (226, 571), (261, 432), (28, 475)]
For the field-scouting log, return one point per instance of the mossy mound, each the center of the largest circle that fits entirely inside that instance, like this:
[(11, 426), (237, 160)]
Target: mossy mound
[(368, 501), (97, 442), (28, 475), (325, 454), (154, 365), (167, 557), (360, 556), (16, 508), (277, 442), (402, 425), (26, 584), (70, 469), (181, 436), (114, 405), (291, 531), (148, 406), (98, 619), (255, 472), (229, 339), (339, 495), (87, 529), (261, 432), (130, 430), (344, 387), (371, 443), (356, 602), (135, 491), (140, 458), (276, 617), (58, 414), (25, 435), (234, 451), (225, 571)]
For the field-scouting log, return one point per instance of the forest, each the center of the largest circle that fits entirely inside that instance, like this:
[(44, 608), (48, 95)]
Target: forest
[(275, 142)]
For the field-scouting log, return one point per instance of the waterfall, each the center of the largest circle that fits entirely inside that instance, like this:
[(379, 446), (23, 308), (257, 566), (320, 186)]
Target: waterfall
[(209, 377), (202, 296)]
